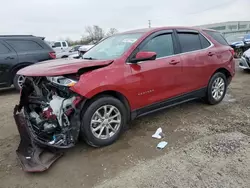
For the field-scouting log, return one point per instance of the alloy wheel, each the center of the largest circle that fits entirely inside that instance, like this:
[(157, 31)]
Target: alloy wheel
[(20, 80), (218, 88), (105, 122)]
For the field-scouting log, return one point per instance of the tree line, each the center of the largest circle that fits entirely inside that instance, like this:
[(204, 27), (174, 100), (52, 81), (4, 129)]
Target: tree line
[(93, 34)]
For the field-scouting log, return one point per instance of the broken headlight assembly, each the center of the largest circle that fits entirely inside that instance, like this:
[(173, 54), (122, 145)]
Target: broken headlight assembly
[(63, 81)]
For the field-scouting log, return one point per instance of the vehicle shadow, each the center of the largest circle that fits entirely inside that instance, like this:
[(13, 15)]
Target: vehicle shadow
[(9, 90)]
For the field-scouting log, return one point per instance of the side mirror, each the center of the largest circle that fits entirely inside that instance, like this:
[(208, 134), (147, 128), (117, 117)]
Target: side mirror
[(144, 56)]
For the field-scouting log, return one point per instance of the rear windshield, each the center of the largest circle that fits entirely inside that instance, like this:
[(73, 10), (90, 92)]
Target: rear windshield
[(218, 37)]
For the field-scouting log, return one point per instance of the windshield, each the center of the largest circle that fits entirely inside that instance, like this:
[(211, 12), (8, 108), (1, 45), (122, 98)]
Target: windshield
[(235, 38), (112, 47)]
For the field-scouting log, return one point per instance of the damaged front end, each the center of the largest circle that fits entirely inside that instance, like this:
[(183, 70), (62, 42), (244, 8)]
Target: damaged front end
[(48, 120)]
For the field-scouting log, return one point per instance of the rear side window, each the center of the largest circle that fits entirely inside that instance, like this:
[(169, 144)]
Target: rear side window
[(3, 49), (204, 42), (162, 45), (57, 44), (189, 42), (218, 37), (24, 45)]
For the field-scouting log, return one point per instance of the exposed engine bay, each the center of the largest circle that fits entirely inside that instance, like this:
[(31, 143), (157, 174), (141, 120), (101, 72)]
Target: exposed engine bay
[(52, 111)]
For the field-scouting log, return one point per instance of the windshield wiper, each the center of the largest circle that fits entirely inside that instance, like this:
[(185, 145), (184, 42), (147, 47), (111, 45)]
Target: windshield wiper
[(89, 58)]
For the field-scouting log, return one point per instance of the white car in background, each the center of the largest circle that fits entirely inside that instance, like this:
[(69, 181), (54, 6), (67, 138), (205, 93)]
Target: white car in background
[(61, 48), (81, 50), (245, 60)]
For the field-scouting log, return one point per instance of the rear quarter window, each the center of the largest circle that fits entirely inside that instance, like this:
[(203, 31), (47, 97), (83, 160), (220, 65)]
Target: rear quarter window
[(218, 37), (3, 49), (24, 45)]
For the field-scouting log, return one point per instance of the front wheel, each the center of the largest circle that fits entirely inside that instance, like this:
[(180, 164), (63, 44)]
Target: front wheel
[(103, 121), (217, 88)]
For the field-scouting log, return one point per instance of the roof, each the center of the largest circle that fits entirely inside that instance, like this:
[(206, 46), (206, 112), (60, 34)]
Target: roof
[(154, 29), (19, 36)]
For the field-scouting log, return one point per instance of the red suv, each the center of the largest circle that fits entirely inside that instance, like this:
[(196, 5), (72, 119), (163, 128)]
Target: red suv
[(125, 76)]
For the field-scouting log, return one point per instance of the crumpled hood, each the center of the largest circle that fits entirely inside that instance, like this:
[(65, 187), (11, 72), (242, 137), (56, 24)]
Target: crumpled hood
[(60, 67)]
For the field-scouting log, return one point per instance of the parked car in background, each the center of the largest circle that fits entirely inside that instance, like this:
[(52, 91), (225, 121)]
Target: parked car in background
[(245, 60), (72, 51), (126, 75), (240, 43), (81, 50), (17, 52), (84, 48), (61, 48)]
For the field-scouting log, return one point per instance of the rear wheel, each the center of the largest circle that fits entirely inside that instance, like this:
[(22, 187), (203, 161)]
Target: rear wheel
[(103, 121), (217, 88), (18, 81)]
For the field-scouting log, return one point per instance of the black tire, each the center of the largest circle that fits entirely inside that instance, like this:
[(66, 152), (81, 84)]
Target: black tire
[(87, 114), (65, 56), (239, 52), (209, 97), (15, 82)]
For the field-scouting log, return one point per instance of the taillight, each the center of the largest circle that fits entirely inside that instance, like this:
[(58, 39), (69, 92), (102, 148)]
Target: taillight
[(52, 55), (232, 51)]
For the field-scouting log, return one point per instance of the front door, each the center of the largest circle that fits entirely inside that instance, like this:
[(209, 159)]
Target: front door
[(160, 79)]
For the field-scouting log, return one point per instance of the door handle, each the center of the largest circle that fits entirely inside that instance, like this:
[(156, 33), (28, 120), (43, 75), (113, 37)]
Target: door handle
[(9, 58), (211, 53), (174, 62)]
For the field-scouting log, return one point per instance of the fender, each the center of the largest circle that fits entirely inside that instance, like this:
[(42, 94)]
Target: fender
[(103, 79)]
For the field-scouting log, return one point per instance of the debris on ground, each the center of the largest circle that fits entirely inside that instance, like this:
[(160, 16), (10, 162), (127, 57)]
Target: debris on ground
[(162, 145), (158, 134)]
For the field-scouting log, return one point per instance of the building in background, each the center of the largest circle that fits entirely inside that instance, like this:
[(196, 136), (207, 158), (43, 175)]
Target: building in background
[(230, 28)]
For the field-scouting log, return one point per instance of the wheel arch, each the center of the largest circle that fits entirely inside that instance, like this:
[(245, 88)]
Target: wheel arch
[(116, 95), (20, 66), (225, 72), (16, 68)]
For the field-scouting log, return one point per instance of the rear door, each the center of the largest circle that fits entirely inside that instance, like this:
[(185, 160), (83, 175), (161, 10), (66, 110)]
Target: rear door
[(160, 79), (8, 58), (196, 58)]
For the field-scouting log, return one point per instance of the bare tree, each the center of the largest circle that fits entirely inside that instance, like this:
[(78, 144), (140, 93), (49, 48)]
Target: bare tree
[(112, 31), (95, 33)]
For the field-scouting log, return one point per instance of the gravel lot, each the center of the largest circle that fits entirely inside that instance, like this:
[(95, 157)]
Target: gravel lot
[(209, 146)]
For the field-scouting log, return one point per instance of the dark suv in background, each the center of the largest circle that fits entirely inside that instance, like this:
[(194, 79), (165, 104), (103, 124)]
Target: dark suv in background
[(19, 51)]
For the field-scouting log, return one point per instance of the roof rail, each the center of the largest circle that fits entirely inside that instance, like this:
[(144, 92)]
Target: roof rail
[(16, 35), (22, 36)]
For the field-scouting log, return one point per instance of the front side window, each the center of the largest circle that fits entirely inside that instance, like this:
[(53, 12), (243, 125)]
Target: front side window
[(24, 45), (162, 45), (112, 47), (189, 42)]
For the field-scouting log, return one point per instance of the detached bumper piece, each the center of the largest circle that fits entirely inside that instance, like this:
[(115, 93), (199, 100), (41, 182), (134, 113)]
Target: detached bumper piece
[(33, 157), (244, 63)]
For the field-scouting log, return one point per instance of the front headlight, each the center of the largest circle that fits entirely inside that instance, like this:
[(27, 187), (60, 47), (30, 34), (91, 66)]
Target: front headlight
[(61, 80)]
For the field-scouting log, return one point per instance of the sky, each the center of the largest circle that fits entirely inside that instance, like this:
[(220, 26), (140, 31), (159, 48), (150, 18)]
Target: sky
[(61, 19)]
